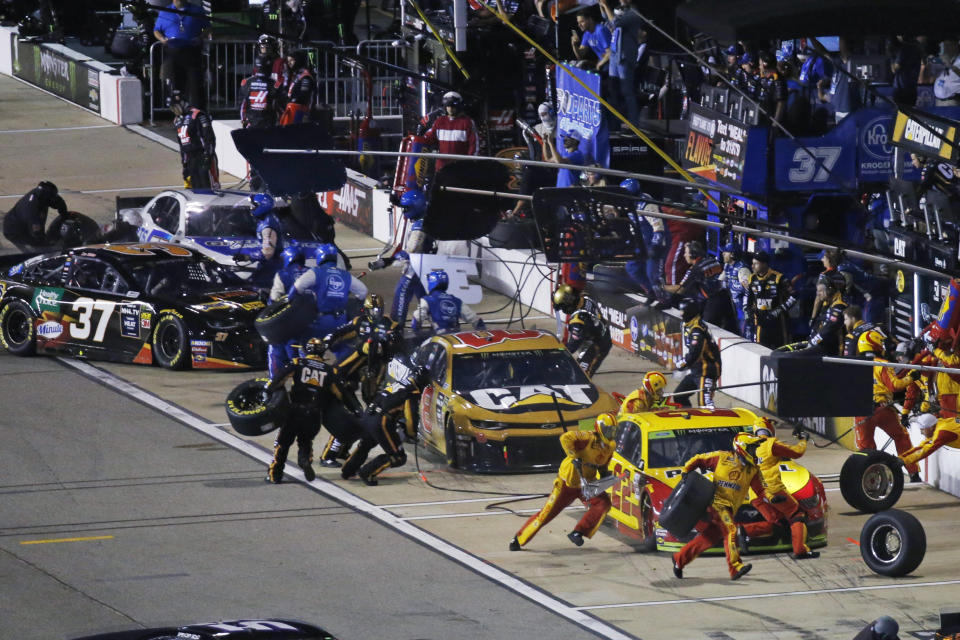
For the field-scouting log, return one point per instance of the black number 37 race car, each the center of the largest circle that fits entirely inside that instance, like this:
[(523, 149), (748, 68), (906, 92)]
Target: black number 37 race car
[(141, 303)]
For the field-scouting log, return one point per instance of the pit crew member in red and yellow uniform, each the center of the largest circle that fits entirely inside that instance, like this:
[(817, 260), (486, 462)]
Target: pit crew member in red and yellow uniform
[(885, 416), (734, 473), (947, 384), (587, 333), (588, 454), (936, 433), (776, 504), (648, 396)]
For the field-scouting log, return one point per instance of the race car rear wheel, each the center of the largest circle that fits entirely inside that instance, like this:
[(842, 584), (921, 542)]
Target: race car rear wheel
[(18, 330), (170, 348), (686, 504), (871, 481), (287, 320), (893, 543), (254, 412)]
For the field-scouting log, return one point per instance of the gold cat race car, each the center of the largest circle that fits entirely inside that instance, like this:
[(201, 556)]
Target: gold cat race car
[(500, 399), (651, 450)]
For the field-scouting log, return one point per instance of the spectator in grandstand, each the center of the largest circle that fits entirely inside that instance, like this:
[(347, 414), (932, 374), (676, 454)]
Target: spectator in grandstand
[(906, 58), (596, 38), (571, 154), (182, 34), (454, 132), (946, 87), (773, 90), (626, 25), (844, 90), (745, 78)]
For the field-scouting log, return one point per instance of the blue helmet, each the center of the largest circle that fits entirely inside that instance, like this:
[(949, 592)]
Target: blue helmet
[(326, 252), (632, 185), (290, 255), (262, 204), (414, 203), (437, 279), (730, 247)]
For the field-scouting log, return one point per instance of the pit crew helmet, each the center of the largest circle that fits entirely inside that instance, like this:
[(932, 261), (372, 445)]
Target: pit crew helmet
[(566, 299), (262, 204), (414, 203), (654, 382), (871, 343), (267, 41), (452, 99), (764, 428), (373, 306), (885, 628), (262, 65), (177, 102), (420, 376), (437, 279), (690, 308), (48, 189), (315, 348), (290, 255), (632, 185), (326, 252), (547, 114), (745, 445), (606, 427)]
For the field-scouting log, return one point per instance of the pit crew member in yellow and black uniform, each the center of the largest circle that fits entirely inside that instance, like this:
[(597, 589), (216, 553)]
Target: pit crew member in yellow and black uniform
[(315, 385), (380, 424), (588, 335), (827, 335), (734, 473), (855, 327), (648, 396), (703, 357), (588, 454), (768, 299)]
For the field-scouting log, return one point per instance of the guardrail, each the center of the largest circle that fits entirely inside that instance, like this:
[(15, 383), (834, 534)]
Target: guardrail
[(341, 83)]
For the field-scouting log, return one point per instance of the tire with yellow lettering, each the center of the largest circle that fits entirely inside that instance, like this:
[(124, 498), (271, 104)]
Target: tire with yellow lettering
[(286, 320), (171, 348), (252, 411), (18, 328)]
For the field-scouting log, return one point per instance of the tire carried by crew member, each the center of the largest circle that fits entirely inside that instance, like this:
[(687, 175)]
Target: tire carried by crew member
[(686, 504), (871, 481), (286, 319), (254, 412), (893, 543)]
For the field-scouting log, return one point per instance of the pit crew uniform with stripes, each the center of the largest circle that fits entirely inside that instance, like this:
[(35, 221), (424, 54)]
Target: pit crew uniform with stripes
[(946, 433), (885, 416), (588, 336), (703, 358), (456, 135), (768, 299)]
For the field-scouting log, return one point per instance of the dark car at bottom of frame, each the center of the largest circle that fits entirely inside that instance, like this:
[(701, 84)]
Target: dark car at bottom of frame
[(272, 629)]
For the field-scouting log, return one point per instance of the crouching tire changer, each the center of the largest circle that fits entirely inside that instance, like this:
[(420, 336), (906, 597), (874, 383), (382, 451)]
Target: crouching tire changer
[(587, 334), (588, 455)]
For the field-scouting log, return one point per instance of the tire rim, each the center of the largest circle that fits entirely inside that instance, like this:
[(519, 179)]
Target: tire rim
[(877, 482), (253, 399), (169, 341), (17, 326), (886, 545)]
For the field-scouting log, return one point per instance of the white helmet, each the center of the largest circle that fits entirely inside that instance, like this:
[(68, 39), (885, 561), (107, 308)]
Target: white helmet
[(924, 421), (452, 98)]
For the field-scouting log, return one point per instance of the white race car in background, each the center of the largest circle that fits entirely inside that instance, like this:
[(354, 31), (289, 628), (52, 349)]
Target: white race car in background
[(217, 224)]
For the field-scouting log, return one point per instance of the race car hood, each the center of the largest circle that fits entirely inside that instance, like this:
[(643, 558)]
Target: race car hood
[(528, 398)]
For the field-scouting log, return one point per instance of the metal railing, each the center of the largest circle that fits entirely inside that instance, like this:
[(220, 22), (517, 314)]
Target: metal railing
[(341, 83)]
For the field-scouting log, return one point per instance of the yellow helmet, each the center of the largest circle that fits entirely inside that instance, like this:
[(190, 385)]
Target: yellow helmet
[(566, 299), (315, 348), (745, 445), (606, 427), (764, 427), (654, 382), (373, 306), (871, 342)]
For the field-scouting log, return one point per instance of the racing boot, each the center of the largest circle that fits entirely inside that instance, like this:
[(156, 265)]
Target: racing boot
[(514, 544), (305, 460), (677, 569), (330, 453), (741, 571), (576, 538), (275, 473)]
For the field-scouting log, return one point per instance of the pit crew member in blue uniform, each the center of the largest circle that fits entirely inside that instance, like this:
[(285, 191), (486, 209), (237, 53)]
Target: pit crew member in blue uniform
[(414, 205), (732, 267), (443, 311), (279, 355), (638, 268), (270, 234)]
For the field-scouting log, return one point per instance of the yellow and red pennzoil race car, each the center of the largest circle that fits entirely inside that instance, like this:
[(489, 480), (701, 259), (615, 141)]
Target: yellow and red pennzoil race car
[(500, 399), (651, 450)]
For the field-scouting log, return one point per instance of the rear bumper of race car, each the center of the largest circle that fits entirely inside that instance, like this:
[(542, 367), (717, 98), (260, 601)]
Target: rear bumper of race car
[(779, 542), (520, 454), (242, 351)]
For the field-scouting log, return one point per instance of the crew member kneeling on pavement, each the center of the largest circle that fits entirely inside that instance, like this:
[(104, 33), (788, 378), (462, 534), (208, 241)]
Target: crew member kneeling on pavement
[(587, 334), (380, 424), (443, 311), (734, 473), (24, 224), (936, 433), (315, 385), (270, 235), (198, 144), (776, 504), (870, 345), (588, 454), (647, 396), (279, 355), (703, 357)]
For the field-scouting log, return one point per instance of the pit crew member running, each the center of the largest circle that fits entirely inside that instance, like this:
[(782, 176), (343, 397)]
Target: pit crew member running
[(587, 333)]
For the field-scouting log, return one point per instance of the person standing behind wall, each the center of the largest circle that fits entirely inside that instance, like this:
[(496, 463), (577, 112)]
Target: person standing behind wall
[(182, 35)]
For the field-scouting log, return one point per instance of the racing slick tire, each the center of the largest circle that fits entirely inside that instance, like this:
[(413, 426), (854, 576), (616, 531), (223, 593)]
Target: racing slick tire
[(686, 504), (649, 543), (253, 412), (450, 438), (871, 481), (893, 543), (18, 328), (170, 345), (286, 320)]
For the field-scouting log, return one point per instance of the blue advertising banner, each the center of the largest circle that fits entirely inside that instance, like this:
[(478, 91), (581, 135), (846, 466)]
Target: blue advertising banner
[(579, 111), (826, 163), (874, 131)]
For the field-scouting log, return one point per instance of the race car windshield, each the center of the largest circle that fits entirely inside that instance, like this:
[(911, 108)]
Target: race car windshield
[(672, 448), (515, 368), (172, 277), (221, 221)]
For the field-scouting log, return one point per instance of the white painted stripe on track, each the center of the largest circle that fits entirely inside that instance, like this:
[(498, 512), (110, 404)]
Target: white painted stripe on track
[(52, 129), (464, 501), (150, 135), (364, 249), (781, 594), (332, 491)]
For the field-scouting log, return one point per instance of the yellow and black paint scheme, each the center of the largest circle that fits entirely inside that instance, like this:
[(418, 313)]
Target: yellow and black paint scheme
[(49, 308), (651, 450), (507, 417)]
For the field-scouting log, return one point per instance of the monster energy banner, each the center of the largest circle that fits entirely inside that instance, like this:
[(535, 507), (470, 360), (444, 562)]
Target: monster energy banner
[(53, 71)]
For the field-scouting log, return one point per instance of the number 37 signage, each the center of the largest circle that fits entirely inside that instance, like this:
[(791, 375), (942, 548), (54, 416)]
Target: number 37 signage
[(815, 164)]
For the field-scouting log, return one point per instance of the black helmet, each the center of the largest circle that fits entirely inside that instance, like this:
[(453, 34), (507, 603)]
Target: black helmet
[(263, 64), (690, 308), (48, 189), (176, 98), (420, 376), (71, 233)]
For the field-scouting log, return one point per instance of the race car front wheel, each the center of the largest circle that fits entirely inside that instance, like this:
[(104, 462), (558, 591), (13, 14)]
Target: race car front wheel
[(450, 439), (18, 328), (170, 347), (871, 481), (252, 411), (893, 543)]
